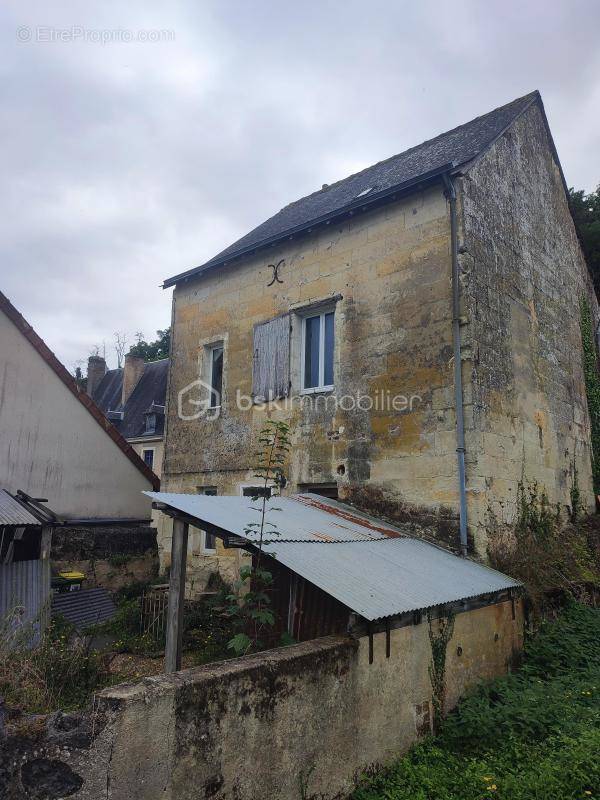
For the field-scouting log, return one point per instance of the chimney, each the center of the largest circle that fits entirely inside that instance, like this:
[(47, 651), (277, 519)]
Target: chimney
[(96, 370), (132, 372)]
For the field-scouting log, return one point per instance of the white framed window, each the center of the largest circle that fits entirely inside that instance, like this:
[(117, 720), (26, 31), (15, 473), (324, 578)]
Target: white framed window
[(148, 456), (318, 339), (215, 373)]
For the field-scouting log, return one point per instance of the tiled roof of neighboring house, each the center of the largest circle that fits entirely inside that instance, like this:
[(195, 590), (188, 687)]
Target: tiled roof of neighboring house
[(150, 391), (444, 153), (107, 395), (149, 394), (367, 564), (69, 381)]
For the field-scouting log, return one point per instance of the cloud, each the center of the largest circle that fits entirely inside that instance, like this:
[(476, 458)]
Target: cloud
[(125, 163)]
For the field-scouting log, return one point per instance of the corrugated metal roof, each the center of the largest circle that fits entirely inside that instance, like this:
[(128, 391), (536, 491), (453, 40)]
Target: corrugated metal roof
[(385, 578), (13, 513), (84, 607), (374, 574), (301, 518)]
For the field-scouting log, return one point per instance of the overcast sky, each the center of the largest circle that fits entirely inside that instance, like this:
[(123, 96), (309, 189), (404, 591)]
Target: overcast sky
[(127, 162)]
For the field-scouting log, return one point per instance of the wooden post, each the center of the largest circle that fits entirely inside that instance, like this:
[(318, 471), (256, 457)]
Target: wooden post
[(176, 596)]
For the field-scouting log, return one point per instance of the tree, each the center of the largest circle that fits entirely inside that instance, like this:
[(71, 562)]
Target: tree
[(120, 347), (250, 604), (153, 351), (586, 213)]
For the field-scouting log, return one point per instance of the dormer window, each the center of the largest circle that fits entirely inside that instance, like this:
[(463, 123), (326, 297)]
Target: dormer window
[(151, 423)]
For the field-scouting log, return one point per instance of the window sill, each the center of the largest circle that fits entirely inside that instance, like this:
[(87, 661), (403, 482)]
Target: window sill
[(318, 390)]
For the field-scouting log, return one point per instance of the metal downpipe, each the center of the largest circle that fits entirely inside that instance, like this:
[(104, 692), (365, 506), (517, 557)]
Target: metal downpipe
[(458, 388)]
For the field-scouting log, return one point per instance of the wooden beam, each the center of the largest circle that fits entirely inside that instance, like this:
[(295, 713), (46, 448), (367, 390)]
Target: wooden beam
[(176, 596)]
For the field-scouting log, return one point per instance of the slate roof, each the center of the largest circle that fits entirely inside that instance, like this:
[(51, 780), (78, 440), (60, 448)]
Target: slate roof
[(450, 150), (150, 391), (107, 395)]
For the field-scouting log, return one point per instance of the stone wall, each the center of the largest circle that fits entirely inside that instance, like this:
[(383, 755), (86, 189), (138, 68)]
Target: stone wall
[(523, 276), (389, 271), (111, 557), (254, 727)]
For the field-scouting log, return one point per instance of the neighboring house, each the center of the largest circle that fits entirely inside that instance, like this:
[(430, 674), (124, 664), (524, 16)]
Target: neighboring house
[(133, 398), (55, 443), (350, 309)]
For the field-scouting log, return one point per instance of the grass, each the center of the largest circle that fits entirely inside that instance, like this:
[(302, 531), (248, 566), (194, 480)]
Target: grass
[(533, 735)]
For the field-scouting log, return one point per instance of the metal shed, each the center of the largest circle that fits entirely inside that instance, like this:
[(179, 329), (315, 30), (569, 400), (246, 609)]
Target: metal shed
[(336, 568), (25, 537)]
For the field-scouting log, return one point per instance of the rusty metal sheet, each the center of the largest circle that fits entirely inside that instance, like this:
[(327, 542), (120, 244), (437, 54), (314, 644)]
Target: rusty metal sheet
[(299, 518), (364, 563)]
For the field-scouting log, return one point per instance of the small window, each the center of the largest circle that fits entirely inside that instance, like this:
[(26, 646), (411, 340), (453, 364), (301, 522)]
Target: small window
[(324, 489), (209, 540), (256, 491), (150, 423), (148, 456), (216, 374), (317, 352)]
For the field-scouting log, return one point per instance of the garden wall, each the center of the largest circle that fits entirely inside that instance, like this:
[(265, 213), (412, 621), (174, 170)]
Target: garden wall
[(313, 715), (109, 556)]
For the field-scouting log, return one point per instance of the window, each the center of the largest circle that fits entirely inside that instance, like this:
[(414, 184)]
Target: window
[(209, 540), (216, 374), (256, 491), (317, 352), (151, 423), (324, 489), (148, 456)]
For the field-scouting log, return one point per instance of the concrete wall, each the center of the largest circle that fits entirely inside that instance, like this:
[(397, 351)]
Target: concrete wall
[(254, 727), (50, 445), (523, 276)]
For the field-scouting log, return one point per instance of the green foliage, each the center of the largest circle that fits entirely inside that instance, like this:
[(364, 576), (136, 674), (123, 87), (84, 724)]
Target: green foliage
[(533, 735), (437, 667), (249, 603), (545, 554), (61, 672), (586, 214), (592, 385), (153, 351), (577, 508), (206, 630)]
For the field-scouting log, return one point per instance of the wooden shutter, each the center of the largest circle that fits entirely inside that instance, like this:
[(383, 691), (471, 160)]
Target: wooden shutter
[(271, 362)]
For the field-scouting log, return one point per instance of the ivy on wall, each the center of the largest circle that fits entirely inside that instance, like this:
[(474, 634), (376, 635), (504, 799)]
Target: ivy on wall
[(592, 385)]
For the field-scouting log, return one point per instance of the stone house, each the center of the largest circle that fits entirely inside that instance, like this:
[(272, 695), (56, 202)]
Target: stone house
[(416, 324)]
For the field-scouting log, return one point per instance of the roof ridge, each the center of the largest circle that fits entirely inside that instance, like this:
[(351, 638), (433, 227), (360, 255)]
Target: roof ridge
[(401, 172), (531, 95), (40, 346)]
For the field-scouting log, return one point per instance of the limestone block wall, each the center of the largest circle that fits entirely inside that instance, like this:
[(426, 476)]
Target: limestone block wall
[(523, 276), (388, 273), (253, 727)]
